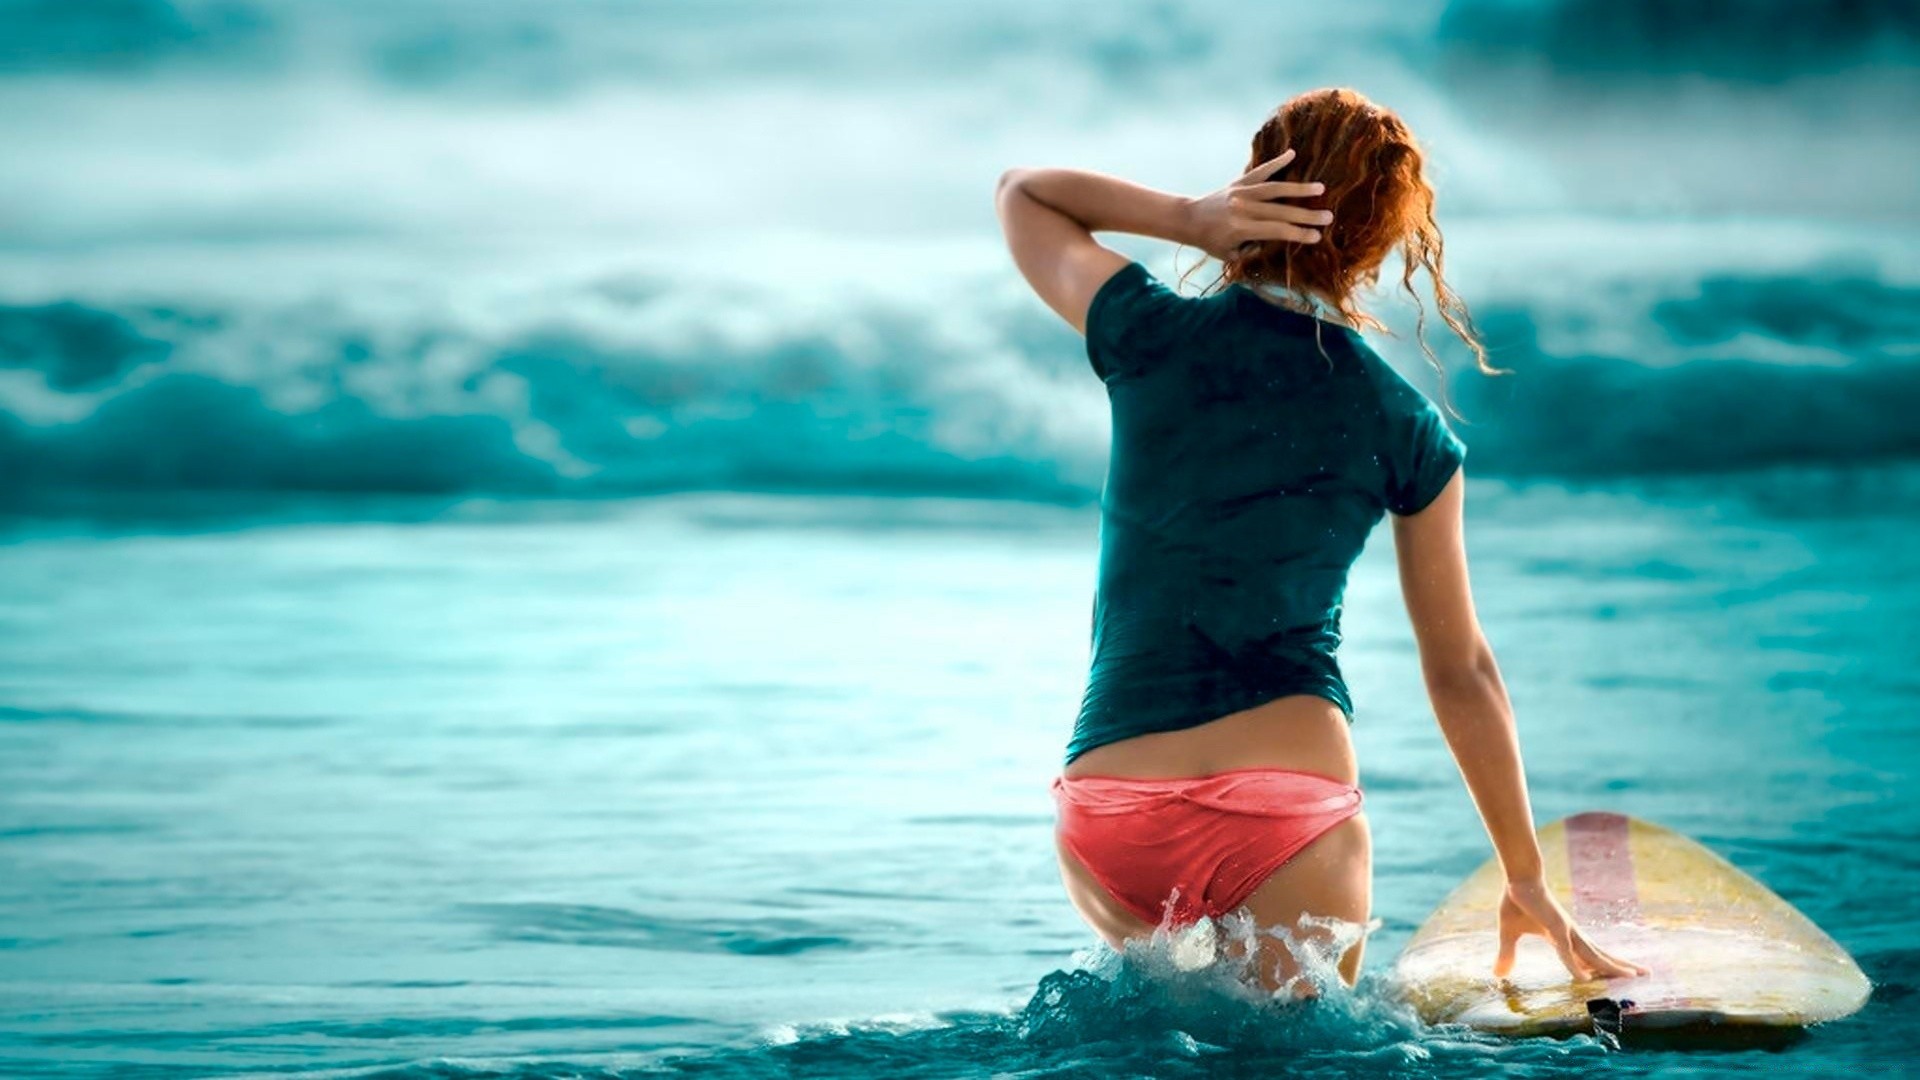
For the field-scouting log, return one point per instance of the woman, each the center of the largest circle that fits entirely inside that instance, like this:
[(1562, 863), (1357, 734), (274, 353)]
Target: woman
[(1257, 440)]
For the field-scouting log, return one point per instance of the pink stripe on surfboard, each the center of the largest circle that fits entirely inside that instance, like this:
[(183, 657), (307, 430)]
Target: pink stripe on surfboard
[(1606, 897), (1601, 866)]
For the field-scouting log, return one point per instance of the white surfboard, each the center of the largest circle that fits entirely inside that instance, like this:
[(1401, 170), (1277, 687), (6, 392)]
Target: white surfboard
[(1728, 958)]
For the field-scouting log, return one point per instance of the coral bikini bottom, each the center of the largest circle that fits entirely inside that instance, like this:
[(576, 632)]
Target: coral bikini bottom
[(1172, 850)]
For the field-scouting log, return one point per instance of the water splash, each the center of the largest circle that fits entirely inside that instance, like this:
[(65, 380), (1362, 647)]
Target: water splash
[(1200, 984), (1188, 1001)]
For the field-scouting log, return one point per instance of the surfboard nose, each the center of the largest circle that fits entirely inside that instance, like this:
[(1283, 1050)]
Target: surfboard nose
[(1729, 962)]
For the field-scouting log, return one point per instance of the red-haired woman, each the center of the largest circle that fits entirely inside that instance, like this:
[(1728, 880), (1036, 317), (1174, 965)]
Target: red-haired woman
[(1257, 440)]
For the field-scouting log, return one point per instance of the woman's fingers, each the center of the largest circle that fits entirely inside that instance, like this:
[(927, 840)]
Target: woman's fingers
[(1579, 969), (1515, 923), (1273, 221), (1251, 216), (1299, 215), (1276, 230), (1509, 942), (1284, 189), (1606, 963), (1562, 937), (1535, 911), (1268, 167), (1558, 929), (1510, 935)]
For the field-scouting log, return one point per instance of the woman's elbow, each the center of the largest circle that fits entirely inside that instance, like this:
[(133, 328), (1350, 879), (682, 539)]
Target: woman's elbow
[(1467, 668)]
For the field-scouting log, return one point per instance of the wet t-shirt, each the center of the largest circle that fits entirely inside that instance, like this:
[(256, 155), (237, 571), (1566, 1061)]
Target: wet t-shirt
[(1254, 448)]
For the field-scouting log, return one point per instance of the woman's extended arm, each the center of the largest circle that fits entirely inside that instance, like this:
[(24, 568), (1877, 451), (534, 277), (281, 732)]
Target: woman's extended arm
[(1050, 215), (1470, 701)]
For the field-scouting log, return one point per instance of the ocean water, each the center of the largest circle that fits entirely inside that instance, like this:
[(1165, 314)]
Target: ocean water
[(548, 539), (750, 785)]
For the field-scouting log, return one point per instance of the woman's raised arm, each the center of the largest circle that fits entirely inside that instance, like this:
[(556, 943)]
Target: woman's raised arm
[(1049, 217), (1470, 701)]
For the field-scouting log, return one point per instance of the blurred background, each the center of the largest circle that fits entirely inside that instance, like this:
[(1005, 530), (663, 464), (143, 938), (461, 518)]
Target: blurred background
[(548, 538)]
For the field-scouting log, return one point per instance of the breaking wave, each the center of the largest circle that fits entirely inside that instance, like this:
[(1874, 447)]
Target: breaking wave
[(622, 391)]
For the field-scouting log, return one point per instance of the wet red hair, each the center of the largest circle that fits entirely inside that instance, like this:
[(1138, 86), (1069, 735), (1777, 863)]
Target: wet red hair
[(1376, 186)]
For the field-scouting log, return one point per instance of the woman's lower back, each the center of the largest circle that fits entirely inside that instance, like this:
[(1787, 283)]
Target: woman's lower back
[(1303, 732)]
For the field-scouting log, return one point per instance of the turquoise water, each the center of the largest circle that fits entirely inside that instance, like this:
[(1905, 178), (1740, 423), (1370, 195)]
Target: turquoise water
[(400, 676), (750, 785)]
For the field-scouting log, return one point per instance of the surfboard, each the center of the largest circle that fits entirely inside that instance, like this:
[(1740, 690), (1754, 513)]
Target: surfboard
[(1728, 958)]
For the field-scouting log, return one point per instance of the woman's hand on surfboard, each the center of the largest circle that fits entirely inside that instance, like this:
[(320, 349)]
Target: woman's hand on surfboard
[(1531, 908), (1244, 213)]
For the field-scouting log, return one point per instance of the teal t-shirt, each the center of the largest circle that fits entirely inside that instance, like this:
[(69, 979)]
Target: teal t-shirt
[(1247, 469)]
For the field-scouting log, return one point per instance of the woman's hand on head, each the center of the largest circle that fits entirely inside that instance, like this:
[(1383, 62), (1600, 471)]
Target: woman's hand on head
[(1529, 907), (1243, 212)]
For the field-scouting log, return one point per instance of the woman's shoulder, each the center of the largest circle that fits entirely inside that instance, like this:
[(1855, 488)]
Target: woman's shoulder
[(1136, 317), (1418, 450), (1135, 298), (1389, 388)]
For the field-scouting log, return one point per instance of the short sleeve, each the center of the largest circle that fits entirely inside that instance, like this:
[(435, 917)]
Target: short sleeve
[(1422, 453), (1131, 319)]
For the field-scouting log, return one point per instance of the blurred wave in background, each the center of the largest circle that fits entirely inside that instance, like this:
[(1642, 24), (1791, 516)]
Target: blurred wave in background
[(615, 247), (482, 591)]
